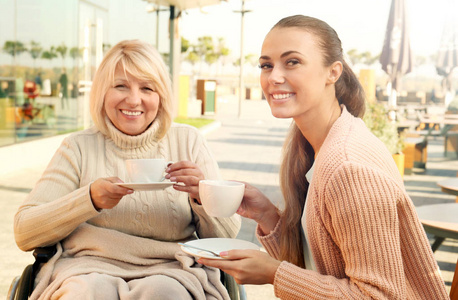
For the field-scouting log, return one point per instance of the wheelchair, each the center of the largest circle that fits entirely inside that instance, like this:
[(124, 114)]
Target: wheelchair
[(22, 286)]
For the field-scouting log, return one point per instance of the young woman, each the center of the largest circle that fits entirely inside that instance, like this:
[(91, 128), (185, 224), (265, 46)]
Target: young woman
[(348, 230), (112, 242)]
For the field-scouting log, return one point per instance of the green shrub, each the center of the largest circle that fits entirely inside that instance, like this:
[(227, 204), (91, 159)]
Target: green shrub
[(379, 123)]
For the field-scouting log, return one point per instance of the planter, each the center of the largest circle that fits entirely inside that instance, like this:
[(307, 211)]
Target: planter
[(415, 151), (399, 161)]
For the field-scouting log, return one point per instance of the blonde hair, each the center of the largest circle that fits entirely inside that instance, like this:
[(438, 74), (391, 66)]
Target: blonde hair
[(298, 154), (141, 60)]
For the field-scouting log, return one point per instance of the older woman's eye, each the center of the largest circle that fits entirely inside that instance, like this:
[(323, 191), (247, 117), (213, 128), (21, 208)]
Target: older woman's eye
[(148, 89)]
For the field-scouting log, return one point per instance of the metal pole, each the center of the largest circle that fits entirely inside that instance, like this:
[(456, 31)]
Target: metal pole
[(157, 28), (172, 37), (242, 59), (15, 38)]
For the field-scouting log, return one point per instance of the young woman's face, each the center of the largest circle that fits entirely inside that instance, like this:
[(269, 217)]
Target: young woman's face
[(131, 104), (293, 77)]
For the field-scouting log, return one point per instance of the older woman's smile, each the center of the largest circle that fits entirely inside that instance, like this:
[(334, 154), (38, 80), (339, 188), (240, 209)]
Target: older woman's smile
[(131, 113)]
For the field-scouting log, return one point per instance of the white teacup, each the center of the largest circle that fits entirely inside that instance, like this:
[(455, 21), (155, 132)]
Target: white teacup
[(221, 198), (146, 170)]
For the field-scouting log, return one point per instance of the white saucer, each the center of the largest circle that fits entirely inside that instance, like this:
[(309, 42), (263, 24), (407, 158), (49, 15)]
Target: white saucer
[(216, 245), (147, 186)]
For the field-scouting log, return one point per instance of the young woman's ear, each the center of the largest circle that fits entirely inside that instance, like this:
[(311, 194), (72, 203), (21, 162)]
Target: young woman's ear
[(334, 72)]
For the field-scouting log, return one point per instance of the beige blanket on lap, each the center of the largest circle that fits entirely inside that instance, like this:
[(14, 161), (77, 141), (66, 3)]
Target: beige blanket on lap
[(92, 249)]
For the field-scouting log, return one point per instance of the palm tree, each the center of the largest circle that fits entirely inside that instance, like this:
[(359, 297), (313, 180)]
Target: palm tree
[(185, 45), (49, 54), (250, 58), (35, 51), (203, 49), (366, 58), (221, 51), (192, 58), (62, 50), (105, 48), (14, 48), (75, 53)]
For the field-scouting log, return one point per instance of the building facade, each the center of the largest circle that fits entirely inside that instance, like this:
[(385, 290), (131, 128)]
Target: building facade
[(50, 50)]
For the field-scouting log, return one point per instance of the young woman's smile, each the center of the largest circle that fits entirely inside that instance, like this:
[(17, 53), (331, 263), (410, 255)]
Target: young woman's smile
[(280, 97)]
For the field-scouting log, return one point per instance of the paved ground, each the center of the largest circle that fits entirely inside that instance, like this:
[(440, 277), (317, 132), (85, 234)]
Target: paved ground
[(247, 148)]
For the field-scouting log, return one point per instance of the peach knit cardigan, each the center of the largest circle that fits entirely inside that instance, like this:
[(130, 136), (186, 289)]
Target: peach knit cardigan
[(366, 239)]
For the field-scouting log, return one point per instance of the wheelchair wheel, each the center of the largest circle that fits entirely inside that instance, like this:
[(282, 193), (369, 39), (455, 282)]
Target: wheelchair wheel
[(25, 285)]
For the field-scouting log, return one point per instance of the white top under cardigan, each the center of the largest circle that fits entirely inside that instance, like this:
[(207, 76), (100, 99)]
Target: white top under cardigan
[(308, 257)]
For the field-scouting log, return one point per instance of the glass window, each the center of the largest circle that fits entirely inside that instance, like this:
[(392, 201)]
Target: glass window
[(49, 53)]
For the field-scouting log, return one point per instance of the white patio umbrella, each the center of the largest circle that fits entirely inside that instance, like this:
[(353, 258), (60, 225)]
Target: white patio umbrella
[(447, 56), (396, 57)]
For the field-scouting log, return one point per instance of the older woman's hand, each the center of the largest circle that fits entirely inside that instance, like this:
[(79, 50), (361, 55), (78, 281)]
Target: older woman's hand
[(188, 173), (105, 194)]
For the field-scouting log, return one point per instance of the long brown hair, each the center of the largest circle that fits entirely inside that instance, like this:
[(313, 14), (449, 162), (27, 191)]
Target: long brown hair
[(298, 154)]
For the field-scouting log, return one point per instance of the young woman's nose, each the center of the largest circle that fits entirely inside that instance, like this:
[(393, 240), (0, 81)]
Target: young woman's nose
[(276, 76)]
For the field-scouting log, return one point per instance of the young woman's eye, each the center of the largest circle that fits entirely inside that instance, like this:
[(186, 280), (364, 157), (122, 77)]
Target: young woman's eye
[(292, 62), (265, 66), (119, 86)]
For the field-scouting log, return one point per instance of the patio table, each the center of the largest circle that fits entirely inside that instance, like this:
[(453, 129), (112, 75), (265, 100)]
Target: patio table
[(441, 220), (449, 186)]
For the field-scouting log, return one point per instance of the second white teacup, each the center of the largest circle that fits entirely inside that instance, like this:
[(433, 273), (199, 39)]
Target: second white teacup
[(221, 198), (146, 170)]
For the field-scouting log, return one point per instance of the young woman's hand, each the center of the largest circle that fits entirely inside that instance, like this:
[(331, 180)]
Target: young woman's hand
[(188, 173), (246, 266), (256, 206), (105, 194)]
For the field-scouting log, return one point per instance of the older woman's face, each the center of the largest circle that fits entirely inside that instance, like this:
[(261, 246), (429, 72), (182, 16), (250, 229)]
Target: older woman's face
[(131, 104)]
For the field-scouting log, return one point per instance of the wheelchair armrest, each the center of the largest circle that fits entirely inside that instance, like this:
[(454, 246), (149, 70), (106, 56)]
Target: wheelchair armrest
[(236, 291), (43, 254), (25, 283)]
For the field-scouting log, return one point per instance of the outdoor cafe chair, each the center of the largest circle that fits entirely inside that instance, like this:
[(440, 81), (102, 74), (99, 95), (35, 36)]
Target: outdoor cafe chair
[(454, 287)]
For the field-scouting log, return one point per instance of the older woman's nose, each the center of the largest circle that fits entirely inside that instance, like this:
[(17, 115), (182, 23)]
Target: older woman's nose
[(134, 97)]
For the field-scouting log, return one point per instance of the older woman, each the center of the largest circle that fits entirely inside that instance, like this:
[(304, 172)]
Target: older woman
[(114, 242)]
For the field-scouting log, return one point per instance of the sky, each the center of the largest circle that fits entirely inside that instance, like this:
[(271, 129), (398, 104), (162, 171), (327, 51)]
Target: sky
[(361, 24)]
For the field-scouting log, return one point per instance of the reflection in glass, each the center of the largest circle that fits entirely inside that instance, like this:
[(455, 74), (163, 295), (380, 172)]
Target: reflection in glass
[(41, 67), (49, 51)]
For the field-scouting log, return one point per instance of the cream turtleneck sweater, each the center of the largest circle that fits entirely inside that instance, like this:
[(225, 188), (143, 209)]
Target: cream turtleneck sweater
[(59, 207)]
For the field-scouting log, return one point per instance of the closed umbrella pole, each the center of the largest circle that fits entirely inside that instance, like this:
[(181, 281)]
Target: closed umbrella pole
[(396, 57), (447, 56)]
